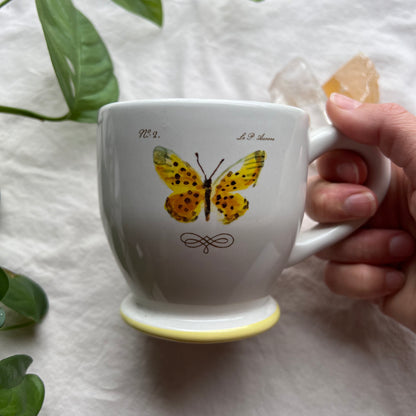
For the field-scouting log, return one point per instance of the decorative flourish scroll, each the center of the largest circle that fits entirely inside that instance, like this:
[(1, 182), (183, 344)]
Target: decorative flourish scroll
[(193, 240)]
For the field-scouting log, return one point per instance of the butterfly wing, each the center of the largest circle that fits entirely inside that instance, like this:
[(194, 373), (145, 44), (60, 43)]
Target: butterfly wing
[(229, 203), (185, 202)]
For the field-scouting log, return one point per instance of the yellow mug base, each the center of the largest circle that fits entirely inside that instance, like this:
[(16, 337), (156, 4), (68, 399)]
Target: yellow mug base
[(180, 325)]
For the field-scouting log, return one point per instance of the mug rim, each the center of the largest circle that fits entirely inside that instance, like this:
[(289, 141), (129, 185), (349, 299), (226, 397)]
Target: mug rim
[(202, 102)]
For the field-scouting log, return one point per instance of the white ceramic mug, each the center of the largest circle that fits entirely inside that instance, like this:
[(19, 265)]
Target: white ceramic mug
[(202, 203)]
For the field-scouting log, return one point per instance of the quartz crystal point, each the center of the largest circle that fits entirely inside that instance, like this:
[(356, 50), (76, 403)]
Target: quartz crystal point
[(296, 85), (357, 79)]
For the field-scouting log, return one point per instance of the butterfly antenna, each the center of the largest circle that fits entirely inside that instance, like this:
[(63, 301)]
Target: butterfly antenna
[(200, 167), (219, 164)]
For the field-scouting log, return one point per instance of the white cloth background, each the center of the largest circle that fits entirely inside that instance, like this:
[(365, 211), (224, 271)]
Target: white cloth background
[(326, 356)]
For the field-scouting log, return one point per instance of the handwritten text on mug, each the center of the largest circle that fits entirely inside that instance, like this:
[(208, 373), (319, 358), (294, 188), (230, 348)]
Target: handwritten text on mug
[(255, 136), (148, 134)]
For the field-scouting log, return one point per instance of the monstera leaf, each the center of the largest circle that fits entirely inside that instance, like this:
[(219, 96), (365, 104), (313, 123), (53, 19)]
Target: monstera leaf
[(149, 9), (80, 59)]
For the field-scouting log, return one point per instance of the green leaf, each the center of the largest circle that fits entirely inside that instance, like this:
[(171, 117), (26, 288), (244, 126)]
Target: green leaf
[(80, 59), (25, 297), (26, 399), (4, 283), (2, 317), (149, 9), (13, 319), (21, 394), (3, 3), (13, 370)]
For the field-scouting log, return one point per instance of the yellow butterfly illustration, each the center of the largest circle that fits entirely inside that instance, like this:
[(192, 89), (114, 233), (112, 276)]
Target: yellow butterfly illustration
[(190, 192)]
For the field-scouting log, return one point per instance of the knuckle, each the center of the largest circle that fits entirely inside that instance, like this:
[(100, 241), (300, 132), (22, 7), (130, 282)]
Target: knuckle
[(365, 281), (358, 281), (397, 117), (394, 110), (396, 132), (314, 196)]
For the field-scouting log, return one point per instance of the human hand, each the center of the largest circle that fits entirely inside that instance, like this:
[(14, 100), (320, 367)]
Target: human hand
[(378, 261)]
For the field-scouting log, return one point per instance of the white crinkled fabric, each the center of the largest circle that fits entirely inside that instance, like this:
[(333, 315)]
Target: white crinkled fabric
[(326, 356)]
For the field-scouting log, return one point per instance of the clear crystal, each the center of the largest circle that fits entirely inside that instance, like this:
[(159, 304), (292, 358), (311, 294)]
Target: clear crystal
[(296, 85)]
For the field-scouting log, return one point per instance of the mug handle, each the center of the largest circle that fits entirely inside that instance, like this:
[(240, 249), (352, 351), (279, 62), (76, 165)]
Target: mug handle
[(379, 172)]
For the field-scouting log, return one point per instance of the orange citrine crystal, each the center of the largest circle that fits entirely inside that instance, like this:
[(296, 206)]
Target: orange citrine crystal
[(357, 79)]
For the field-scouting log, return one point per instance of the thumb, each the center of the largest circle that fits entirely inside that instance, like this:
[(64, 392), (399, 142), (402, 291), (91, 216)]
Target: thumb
[(388, 126)]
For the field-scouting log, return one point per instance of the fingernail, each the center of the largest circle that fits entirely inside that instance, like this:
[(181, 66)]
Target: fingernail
[(348, 172), (344, 102), (360, 205), (401, 246), (394, 280)]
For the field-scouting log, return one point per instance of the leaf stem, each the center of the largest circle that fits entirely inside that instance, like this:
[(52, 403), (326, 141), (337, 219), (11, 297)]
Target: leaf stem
[(3, 3), (17, 326), (31, 114)]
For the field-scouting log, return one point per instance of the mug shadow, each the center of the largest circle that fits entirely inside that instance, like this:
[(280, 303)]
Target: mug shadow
[(185, 373)]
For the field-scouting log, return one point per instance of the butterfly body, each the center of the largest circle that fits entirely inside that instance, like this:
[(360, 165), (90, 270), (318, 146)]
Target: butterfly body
[(190, 192), (208, 190)]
